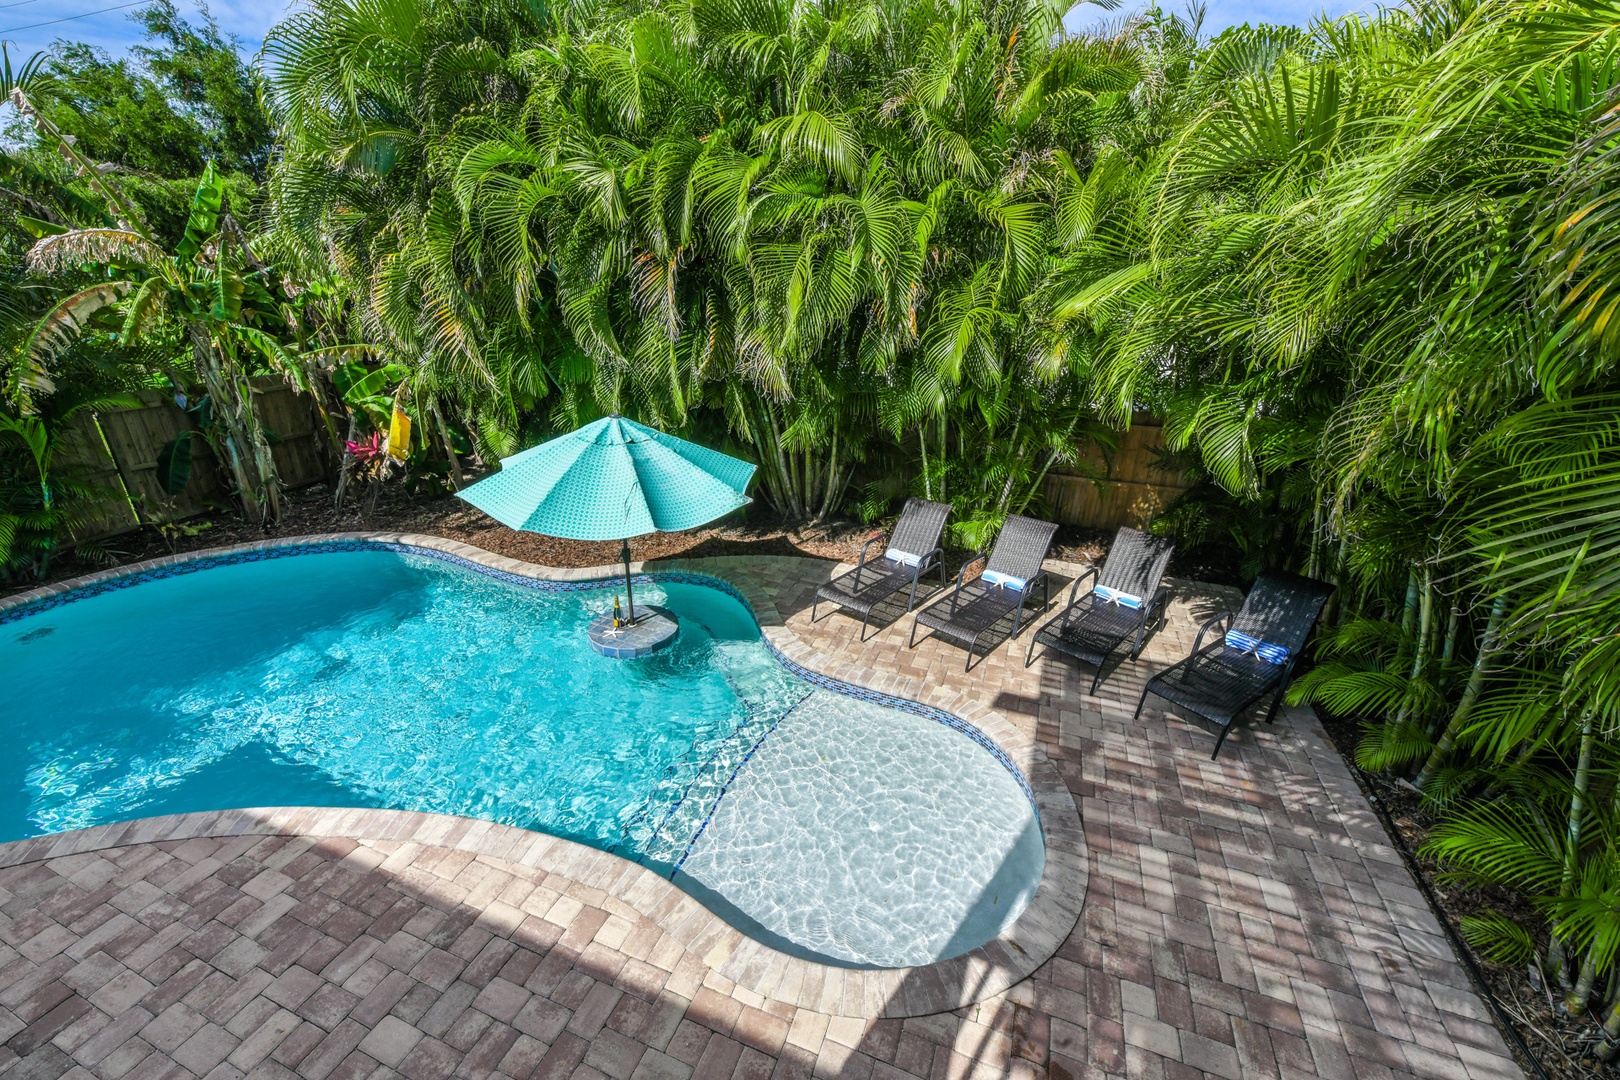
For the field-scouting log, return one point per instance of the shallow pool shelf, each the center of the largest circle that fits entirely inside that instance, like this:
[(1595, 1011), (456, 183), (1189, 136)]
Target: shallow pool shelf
[(655, 629)]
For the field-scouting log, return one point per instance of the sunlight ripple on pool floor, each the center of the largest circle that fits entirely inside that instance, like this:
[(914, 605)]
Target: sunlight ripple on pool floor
[(848, 831)]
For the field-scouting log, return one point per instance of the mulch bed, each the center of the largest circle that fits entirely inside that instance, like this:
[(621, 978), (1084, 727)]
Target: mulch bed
[(1562, 1044)]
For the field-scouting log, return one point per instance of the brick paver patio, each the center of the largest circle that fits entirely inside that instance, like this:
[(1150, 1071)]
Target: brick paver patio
[(1242, 917)]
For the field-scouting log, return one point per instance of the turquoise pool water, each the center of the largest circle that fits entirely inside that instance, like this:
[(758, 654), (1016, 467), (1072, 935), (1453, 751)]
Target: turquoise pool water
[(838, 829)]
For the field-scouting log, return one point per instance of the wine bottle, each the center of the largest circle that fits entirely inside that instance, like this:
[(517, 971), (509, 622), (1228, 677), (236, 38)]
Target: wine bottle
[(618, 619)]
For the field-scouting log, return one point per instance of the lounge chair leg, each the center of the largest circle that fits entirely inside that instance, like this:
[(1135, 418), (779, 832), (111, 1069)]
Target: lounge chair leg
[(912, 644), (1029, 657), (813, 607), (1136, 650), (1095, 682), (1139, 703), (1276, 699), (864, 619), (1225, 731)]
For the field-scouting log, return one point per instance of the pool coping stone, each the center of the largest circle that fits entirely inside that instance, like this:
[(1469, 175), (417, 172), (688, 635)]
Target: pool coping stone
[(749, 965)]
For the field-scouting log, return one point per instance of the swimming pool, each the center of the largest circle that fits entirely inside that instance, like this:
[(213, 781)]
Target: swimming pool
[(838, 829)]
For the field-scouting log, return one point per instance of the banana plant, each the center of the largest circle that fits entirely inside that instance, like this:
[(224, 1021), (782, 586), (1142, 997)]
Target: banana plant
[(209, 283)]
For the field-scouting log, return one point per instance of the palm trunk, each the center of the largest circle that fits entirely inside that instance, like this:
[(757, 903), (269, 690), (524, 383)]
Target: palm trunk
[(1609, 1045), (1410, 609), (785, 456), (1040, 478), (1575, 1000), (47, 499), (922, 442), (1315, 568), (1476, 683), (1330, 610), (787, 503), (457, 480), (1420, 656), (830, 497)]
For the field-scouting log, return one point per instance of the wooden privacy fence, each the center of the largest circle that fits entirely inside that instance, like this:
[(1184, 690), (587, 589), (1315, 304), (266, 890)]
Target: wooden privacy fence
[(1130, 491), (117, 453)]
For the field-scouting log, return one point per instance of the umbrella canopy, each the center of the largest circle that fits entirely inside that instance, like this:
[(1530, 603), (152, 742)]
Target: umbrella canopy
[(611, 480)]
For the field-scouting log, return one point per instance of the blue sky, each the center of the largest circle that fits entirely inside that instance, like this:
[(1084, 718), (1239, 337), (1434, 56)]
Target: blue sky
[(115, 31), (248, 19)]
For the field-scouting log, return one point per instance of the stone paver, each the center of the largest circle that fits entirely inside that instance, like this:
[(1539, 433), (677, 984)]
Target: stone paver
[(1242, 917)]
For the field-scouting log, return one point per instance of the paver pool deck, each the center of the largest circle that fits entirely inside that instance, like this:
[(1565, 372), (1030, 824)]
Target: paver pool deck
[(1244, 917)]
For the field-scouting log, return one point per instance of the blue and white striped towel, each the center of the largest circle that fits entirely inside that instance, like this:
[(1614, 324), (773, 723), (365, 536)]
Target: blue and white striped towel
[(1006, 581), (904, 557), (1117, 596), (1271, 654)]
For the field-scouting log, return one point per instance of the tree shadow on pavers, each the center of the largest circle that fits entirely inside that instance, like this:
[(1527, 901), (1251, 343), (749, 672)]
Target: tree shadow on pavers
[(283, 954)]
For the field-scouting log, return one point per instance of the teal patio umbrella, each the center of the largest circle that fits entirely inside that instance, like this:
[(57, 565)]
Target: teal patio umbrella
[(611, 480)]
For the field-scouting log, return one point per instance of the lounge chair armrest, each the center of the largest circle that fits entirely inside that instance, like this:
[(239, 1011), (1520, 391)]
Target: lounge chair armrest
[(870, 541), (961, 574), (927, 562), (1074, 590), (1198, 642)]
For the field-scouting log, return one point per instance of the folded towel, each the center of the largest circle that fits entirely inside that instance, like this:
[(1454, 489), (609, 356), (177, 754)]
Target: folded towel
[(1117, 596), (1271, 654), (905, 557), (1006, 581)]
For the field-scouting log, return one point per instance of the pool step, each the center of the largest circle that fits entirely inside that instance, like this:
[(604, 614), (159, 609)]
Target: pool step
[(660, 830)]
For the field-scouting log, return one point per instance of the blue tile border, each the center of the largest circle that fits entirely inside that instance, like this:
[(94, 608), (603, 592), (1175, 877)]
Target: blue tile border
[(916, 708), (726, 787), (679, 577)]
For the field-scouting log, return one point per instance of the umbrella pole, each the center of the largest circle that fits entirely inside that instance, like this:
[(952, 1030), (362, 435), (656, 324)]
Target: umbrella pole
[(630, 599)]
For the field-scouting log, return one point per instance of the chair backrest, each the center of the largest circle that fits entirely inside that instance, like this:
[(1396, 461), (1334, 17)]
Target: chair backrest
[(921, 522), (1136, 563), (1021, 547), (1282, 608)]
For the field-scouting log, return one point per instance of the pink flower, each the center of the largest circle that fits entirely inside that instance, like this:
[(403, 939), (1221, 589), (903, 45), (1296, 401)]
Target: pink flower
[(365, 451)]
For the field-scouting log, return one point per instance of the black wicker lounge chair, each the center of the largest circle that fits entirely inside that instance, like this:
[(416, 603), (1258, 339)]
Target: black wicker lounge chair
[(1124, 600), (916, 539), (1255, 657), (973, 608)]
